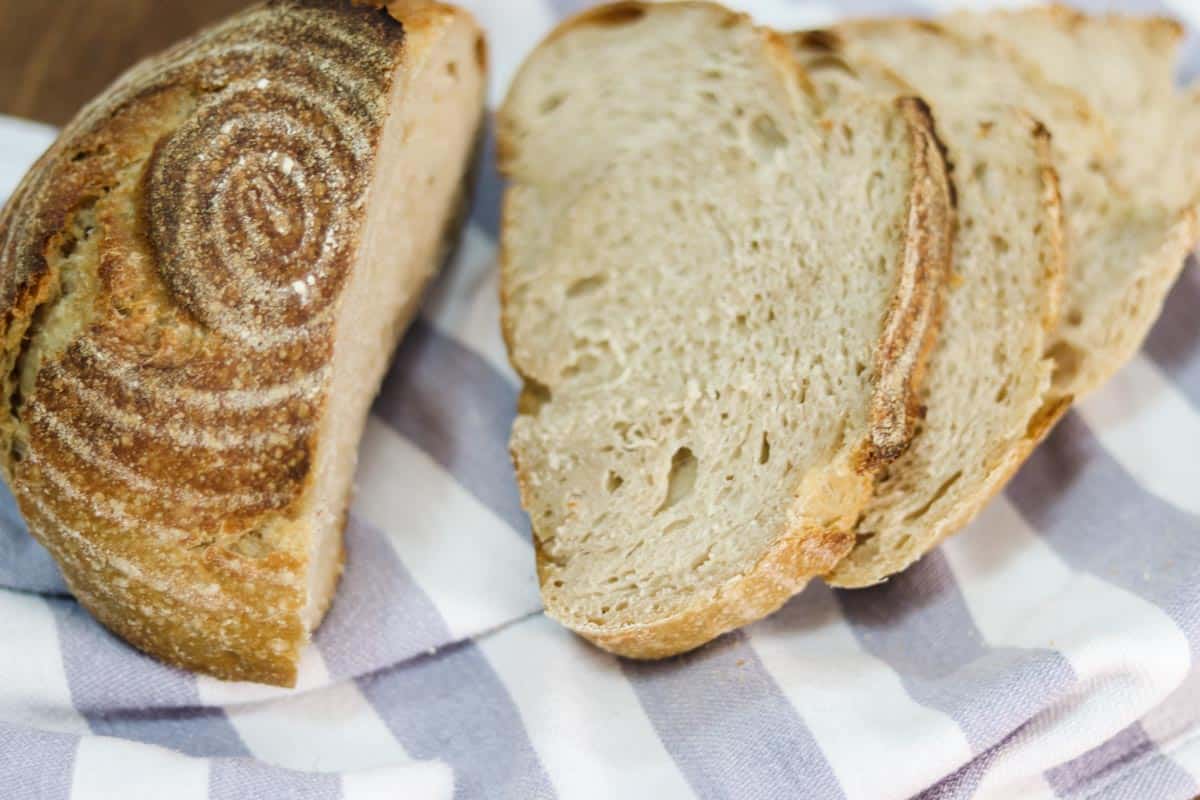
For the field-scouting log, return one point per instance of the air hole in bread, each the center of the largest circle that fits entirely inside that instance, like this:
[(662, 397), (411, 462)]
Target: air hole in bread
[(830, 64), (923, 510), (1002, 393), (766, 137), (452, 69), (585, 286), (613, 482), (550, 103), (582, 365), (1067, 360), (533, 396), (1075, 317), (764, 449), (1000, 245), (678, 524), (681, 478), (848, 136)]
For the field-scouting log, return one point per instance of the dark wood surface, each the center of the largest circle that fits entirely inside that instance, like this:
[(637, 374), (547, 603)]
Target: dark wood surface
[(55, 55)]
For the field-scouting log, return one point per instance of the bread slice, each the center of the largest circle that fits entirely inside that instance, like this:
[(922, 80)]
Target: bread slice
[(1123, 251), (1124, 66), (720, 299), (202, 281), (1132, 215), (987, 393)]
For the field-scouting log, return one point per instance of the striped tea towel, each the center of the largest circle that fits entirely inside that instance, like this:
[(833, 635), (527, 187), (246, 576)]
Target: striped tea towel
[(1049, 651)]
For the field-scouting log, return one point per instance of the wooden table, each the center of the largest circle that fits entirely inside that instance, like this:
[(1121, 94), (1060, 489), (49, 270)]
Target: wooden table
[(55, 55)]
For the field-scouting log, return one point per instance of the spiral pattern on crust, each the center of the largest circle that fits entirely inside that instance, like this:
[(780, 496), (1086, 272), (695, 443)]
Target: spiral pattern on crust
[(228, 181), (253, 202)]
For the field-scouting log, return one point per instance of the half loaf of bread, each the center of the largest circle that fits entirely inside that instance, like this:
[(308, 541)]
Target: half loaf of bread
[(202, 281), (721, 296)]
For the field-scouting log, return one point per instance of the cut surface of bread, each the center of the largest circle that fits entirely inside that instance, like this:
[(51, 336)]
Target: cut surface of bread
[(203, 280), (1132, 213), (1124, 65), (721, 299), (987, 392)]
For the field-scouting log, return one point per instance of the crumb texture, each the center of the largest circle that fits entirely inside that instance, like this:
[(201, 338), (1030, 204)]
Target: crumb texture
[(988, 377), (702, 268), (1130, 206)]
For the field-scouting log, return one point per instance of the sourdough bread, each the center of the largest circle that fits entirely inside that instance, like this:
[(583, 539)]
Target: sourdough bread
[(720, 298), (1132, 215), (202, 281), (1124, 65), (987, 392)]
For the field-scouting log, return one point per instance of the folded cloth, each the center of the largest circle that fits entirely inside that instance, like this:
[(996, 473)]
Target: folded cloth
[(1047, 651)]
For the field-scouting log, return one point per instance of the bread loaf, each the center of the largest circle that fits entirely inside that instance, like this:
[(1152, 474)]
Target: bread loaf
[(988, 393), (202, 281), (720, 295)]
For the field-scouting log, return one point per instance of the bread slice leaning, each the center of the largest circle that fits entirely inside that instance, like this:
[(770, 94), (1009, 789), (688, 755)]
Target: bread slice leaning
[(1124, 66), (721, 299), (202, 281), (1132, 211), (987, 394)]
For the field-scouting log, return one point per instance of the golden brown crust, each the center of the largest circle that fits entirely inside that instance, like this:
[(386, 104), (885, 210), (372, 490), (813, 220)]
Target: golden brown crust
[(779, 575), (162, 448), (1053, 259), (819, 533), (851, 573), (1054, 255), (1039, 427), (910, 328)]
